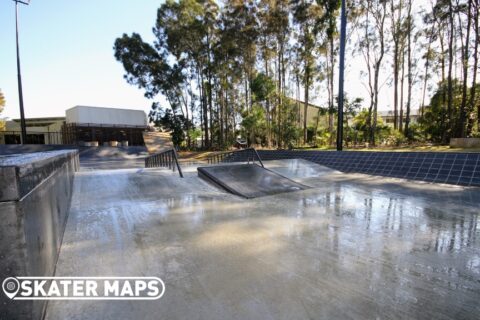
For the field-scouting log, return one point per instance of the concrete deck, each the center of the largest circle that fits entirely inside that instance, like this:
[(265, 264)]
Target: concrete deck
[(352, 247)]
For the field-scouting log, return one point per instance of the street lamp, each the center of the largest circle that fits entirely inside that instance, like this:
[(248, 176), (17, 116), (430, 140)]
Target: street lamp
[(19, 76), (343, 29)]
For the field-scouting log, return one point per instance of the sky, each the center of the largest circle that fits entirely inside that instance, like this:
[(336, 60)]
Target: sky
[(66, 50)]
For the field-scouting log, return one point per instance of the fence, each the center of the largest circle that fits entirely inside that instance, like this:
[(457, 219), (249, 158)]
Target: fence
[(14, 137), (249, 154), (166, 159)]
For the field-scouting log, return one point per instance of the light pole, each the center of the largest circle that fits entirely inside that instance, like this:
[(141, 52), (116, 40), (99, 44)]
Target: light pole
[(343, 29), (19, 76)]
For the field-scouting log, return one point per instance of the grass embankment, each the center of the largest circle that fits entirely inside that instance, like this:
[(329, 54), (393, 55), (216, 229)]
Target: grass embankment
[(409, 149)]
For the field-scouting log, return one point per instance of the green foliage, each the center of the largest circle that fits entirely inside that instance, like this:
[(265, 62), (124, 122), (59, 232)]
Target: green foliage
[(2, 105), (254, 125), (394, 138), (286, 129), (323, 137), (438, 122), (360, 124), (234, 66), (2, 101), (168, 121), (263, 87)]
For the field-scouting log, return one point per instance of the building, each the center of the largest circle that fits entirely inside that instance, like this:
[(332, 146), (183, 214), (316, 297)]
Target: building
[(103, 125), (39, 131), (388, 116), (81, 125)]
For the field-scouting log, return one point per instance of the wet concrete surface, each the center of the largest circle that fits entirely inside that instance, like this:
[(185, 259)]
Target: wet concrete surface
[(107, 158), (352, 247)]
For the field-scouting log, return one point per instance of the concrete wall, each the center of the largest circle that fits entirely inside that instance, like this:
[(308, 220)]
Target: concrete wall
[(7, 149), (465, 142), (35, 194), (106, 116)]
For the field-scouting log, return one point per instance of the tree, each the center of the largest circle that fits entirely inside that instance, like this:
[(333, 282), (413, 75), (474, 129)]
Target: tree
[(398, 36), (177, 124), (305, 14), (2, 105), (372, 47), (476, 28), (2, 101), (327, 25)]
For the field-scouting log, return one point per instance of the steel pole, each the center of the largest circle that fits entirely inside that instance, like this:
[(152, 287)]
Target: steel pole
[(343, 29), (23, 125)]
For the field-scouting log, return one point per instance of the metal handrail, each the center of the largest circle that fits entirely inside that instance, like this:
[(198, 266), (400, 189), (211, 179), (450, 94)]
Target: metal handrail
[(220, 157), (166, 159)]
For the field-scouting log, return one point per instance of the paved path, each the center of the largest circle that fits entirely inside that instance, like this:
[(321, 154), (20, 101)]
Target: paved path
[(352, 247)]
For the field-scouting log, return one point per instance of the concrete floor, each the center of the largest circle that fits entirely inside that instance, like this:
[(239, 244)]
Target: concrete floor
[(352, 247)]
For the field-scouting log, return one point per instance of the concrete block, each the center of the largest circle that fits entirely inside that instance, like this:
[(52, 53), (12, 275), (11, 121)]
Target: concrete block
[(33, 213), (465, 142)]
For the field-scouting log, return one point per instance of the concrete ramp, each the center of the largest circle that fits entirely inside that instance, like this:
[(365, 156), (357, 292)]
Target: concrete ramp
[(249, 180)]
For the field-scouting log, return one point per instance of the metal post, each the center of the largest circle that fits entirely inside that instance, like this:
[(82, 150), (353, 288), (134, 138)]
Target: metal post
[(343, 29), (176, 162), (23, 125), (258, 157)]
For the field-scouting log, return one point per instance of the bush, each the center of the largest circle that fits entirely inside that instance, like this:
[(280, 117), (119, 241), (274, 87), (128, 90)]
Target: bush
[(395, 138)]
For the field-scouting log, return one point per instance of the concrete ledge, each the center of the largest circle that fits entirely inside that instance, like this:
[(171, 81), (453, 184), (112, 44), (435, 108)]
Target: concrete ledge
[(36, 191), (465, 142), (20, 173), (29, 148)]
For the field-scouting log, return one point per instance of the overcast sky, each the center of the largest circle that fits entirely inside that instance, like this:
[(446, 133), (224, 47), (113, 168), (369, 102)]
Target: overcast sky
[(67, 56)]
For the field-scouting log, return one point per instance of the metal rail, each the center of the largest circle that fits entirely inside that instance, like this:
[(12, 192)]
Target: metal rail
[(166, 159), (230, 156)]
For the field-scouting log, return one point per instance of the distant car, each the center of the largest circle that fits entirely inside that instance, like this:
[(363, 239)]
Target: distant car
[(241, 144)]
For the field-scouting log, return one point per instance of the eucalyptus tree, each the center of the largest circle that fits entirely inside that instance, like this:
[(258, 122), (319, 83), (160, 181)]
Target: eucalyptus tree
[(399, 34), (372, 45), (305, 15), (2, 101), (186, 31), (476, 44), (326, 27)]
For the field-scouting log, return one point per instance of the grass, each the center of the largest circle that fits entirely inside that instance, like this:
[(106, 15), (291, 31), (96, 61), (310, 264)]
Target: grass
[(202, 155), (408, 148)]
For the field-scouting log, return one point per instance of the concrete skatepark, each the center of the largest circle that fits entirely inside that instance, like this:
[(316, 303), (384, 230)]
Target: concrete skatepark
[(349, 245)]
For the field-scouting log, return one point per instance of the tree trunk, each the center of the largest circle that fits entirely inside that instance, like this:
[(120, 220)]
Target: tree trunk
[(463, 106), (305, 107), (204, 111), (451, 54), (475, 68), (402, 79), (332, 102), (409, 66)]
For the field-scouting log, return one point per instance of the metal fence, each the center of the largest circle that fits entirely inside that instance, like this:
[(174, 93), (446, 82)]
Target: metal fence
[(249, 154), (166, 159)]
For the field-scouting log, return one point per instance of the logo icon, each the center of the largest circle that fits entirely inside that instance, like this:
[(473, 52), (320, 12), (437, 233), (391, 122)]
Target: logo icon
[(10, 287)]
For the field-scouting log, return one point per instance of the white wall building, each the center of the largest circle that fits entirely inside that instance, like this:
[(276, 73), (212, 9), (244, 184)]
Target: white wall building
[(106, 116)]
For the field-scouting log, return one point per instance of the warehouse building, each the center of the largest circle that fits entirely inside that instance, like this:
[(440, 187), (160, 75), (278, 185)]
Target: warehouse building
[(100, 126), (82, 125)]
